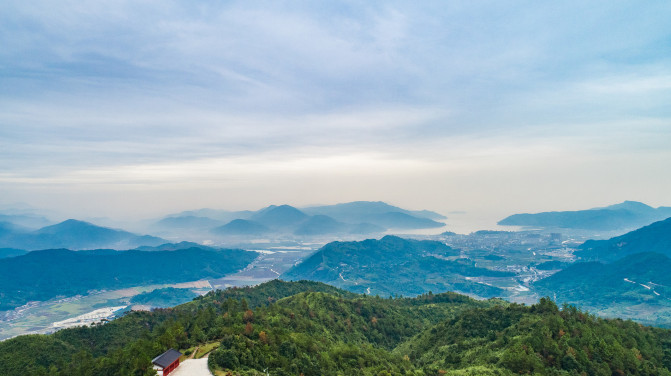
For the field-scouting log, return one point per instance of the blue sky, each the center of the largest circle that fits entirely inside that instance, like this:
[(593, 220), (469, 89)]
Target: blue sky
[(136, 108)]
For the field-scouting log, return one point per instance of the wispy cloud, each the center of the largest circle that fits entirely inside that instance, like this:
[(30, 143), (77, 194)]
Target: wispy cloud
[(158, 91)]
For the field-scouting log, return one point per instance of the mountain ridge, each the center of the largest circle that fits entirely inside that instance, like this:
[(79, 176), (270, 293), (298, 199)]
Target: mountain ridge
[(637, 283), (45, 274), (241, 227), (625, 215), (393, 266), (345, 211), (77, 235), (358, 217), (655, 237)]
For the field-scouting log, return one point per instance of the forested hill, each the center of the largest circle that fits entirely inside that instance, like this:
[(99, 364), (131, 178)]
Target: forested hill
[(395, 266), (42, 275), (310, 329), (539, 340), (636, 287), (655, 237)]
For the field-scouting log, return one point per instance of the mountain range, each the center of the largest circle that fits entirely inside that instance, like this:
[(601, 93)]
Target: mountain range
[(274, 325), (626, 215), (625, 276), (72, 234), (354, 218), (363, 210), (394, 266)]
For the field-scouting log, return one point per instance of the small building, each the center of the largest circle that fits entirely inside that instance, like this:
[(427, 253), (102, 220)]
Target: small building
[(166, 362)]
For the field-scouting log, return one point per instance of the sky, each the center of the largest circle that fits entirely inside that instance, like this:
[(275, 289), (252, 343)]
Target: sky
[(133, 109)]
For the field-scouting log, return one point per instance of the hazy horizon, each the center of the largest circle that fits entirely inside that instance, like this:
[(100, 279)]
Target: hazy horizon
[(461, 222), (136, 110)]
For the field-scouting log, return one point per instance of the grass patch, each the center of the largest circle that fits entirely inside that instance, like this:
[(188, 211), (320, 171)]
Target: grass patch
[(186, 353), (206, 348)]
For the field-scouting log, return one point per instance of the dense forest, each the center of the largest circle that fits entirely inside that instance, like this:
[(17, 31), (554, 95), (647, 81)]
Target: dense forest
[(308, 328)]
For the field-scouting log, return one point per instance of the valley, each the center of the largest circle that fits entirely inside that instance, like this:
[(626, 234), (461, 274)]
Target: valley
[(52, 315)]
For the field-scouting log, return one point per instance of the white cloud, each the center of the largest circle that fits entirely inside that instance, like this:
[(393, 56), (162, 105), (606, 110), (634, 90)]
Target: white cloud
[(95, 93)]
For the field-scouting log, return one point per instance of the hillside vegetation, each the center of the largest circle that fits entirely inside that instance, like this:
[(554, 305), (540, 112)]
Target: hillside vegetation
[(165, 297), (634, 287), (539, 340), (395, 266), (310, 329), (655, 237)]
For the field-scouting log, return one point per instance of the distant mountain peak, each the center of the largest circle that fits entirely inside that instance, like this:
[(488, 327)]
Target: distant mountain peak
[(283, 215), (69, 224), (630, 205), (282, 209), (241, 227), (374, 211), (74, 222), (393, 239)]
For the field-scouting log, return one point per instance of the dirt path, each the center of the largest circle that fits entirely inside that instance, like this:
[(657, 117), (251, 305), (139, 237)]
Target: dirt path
[(192, 367), (194, 352)]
